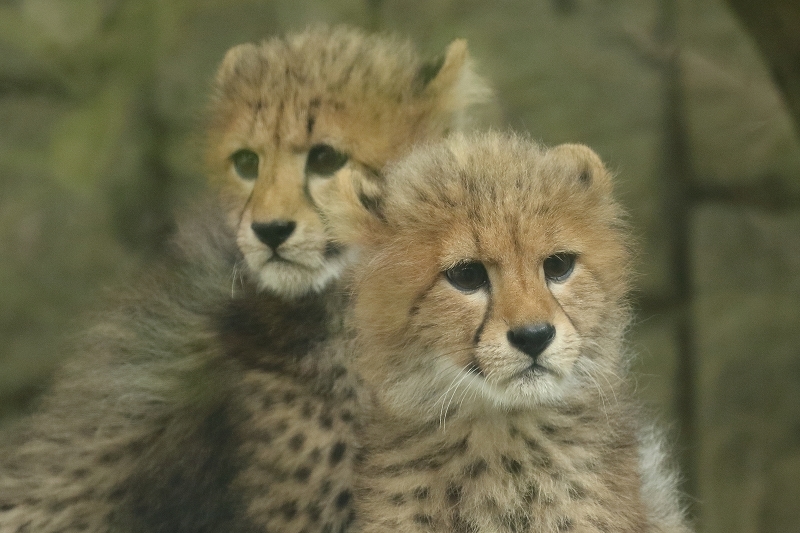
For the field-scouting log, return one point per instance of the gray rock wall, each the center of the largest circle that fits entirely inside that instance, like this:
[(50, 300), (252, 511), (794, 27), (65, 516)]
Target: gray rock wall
[(100, 102)]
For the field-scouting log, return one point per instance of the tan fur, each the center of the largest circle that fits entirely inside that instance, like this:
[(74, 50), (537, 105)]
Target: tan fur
[(213, 395), (370, 97), (461, 433)]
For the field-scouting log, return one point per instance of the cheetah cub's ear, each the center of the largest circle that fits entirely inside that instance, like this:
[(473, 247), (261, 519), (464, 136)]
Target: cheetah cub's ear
[(452, 81), (241, 61), (351, 207), (581, 163)]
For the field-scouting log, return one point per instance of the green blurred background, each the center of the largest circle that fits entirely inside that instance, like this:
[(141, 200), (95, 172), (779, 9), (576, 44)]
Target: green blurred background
[(101, 102)]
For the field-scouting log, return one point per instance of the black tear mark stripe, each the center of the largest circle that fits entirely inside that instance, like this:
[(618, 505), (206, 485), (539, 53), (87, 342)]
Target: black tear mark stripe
[(313, 108), (478, 332), (278, 122), (414, 309)]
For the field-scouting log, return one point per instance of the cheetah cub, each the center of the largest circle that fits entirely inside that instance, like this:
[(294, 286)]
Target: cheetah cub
[(490, 307), (199, 403)]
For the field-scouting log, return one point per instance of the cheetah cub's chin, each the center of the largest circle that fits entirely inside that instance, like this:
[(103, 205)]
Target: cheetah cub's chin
[(291, 113)]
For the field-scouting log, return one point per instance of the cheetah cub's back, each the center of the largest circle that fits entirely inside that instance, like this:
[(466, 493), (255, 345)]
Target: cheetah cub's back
[(490, 305)]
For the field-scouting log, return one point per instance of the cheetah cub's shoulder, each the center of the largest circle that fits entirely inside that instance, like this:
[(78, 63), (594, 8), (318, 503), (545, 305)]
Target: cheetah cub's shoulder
[(490, 306)]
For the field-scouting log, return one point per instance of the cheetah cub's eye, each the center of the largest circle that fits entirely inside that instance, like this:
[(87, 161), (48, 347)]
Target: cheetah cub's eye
[(324, 160), (468, 276), (558, 267), (246, 164)]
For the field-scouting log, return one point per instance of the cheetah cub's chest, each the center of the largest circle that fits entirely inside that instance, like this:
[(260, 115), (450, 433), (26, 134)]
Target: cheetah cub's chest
[(512, 474)]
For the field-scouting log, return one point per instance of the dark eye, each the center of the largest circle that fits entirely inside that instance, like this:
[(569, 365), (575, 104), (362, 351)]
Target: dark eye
[(467, 277), (246, 164), (558, 267), (324, 160)]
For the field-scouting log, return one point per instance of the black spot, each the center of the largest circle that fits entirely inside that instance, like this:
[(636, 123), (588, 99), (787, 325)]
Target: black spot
[(315, 455), (337, 453), (111, 457), (586, 177), (564, 523), (80, 473), (346, 416), (302, 474), (601, 525), (307, 410), (475, 469), (516, 522), (422, 493), (289, 509), (289, 397), (296, 442), (423, 519), (314, 512), (397, 499), (342, 499), (7, 506), (333, 249), (576, 492), (325, 488), (530, 494), (338, 371), (267, 401), (550, 430), (511, 465), (325, 419), (454, 493)]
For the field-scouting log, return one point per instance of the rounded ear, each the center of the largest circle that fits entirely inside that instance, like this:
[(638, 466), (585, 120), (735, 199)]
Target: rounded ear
[(238, 61), (452, 78), (351, 207), (584, 165)]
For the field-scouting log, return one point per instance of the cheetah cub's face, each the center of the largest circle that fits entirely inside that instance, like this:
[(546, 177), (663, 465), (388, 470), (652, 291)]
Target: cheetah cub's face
[(292, 113), (492, 274)]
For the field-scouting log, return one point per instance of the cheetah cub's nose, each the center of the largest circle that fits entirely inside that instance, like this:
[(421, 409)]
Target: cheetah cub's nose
[(274, 233), (532, 338)]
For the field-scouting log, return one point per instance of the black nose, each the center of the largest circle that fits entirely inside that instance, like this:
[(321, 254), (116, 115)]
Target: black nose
[(532, 338), (274, 233)]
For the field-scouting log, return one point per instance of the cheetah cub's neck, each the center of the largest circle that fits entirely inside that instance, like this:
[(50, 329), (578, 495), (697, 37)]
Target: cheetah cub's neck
[(490, 309)]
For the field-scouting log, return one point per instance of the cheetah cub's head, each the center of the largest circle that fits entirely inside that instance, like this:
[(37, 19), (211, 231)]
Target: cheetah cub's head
[(291, 113), (492, 274)]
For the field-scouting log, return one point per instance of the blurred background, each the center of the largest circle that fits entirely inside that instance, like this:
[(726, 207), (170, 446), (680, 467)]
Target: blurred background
[(695, 105)]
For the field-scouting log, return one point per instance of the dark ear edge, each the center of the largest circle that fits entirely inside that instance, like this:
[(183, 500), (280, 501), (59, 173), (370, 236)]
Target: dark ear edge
[(590, 171), (444, 71), (428, 72)]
